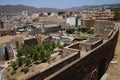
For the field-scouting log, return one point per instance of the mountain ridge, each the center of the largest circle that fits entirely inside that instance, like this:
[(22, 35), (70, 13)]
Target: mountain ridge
[(20, 8)]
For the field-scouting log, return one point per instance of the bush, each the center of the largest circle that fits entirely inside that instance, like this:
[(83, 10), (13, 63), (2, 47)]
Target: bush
[(27, 61), (117, 15), (20, 52), (13, 72), (90, 31), (20, 61), (70, 31), (34, 53), (84, 30), (45, 55), (13, 65), (79, 29), (62, 29)]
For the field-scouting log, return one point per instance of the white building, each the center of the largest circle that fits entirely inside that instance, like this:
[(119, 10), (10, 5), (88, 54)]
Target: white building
[(25, 13), (79, 22), (45, 13), (34, 15), (107, 11), (71, 21), (53, 14)]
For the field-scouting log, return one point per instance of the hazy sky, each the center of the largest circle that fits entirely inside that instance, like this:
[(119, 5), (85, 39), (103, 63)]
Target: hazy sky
[(58, 3)]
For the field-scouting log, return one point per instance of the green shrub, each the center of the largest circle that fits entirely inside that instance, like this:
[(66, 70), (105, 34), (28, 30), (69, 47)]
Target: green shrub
[(20, 62), (117, 15), (27, 61), (70, 31), (90, 31), (13, 72), (13, 65)]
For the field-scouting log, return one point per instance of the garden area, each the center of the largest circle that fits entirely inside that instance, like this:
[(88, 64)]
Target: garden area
[(31, 58), (80, 33)]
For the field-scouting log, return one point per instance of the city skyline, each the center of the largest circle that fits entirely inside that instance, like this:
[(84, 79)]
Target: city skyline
[(60, 4)]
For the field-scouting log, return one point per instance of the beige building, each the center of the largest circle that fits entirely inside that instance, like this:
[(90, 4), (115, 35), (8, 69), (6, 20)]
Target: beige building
[(87, 23)]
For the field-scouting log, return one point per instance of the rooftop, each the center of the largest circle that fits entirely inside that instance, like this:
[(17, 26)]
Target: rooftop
[(51, 25), (7, 38)]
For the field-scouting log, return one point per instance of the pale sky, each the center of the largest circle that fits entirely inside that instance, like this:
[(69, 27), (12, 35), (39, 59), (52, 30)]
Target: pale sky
[(61, 4)]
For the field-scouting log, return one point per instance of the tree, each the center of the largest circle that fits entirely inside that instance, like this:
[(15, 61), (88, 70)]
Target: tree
[(45, 54), (6, 55), (29, 51), (70, 31), (29, 54), (20, 61), (13, 65), (36, 56), (79, 29), (27, 60), (117, 15), (20, 53), (90, 31), (59, 45)]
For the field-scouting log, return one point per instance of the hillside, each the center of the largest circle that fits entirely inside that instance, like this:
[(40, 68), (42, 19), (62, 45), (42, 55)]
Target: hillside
[(20, 8)]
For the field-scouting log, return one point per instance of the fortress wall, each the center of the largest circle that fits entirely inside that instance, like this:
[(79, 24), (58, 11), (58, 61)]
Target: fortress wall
[(87, 46), (40, 75), (91, 67), (97, 43)]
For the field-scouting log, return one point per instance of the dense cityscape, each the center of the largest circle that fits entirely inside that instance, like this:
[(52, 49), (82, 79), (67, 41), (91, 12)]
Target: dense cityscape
[(40, 45)]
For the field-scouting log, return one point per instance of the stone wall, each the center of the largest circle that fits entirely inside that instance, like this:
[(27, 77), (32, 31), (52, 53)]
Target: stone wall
[(54, 67), (96, 43), (87, 23), (52, 29), (102, 28), (68, 51), (87, 46), (91, 67)]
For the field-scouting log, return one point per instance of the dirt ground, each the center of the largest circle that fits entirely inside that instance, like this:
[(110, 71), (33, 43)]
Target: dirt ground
[(113, 72)]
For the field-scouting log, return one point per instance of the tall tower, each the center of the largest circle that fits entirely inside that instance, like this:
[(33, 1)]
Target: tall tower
[(42, 28)]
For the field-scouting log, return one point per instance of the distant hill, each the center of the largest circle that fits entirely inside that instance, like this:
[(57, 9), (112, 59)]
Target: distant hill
[(49, 9), (16, 8), (20, 8), (111, 6)]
